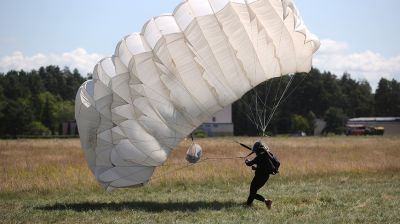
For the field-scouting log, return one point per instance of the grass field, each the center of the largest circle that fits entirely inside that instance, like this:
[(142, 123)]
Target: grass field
[(322, 180)]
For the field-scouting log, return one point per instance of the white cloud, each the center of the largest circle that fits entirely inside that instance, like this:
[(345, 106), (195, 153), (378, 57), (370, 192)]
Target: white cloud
[(78, 58), (333, 56), (332, 47), (336, 57)]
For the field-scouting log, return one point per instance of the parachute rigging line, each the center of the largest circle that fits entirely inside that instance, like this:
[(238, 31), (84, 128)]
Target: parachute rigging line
[(207, 159), (257, 118), (258, 112), (277, 105), (295, 88)]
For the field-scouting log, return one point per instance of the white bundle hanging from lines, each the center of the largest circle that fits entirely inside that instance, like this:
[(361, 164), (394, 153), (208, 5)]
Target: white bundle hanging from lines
[(164, 82), (193, 154)]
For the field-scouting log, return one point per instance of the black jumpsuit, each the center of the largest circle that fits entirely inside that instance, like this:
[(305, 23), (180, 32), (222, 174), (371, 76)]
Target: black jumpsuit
[(261, 176)]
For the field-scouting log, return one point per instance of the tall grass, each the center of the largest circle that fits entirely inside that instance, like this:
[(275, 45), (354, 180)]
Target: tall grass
[(43, 165), (299, 156), (59, 165)]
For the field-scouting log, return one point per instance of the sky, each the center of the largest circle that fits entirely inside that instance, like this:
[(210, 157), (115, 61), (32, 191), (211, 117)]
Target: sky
[(361, 37)]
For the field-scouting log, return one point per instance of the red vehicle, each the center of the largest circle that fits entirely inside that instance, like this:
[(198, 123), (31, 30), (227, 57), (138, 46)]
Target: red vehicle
[(360, 129), (355, 129)]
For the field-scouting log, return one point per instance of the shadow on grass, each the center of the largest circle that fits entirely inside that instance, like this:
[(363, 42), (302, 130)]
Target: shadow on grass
[(147, 206)]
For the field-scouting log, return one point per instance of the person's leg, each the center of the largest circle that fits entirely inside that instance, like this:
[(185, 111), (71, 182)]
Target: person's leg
[(259, 197), (267, 202), (261, 182), (253, 191)]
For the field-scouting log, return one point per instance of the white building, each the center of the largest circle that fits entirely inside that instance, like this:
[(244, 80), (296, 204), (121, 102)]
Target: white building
[(220, 124)]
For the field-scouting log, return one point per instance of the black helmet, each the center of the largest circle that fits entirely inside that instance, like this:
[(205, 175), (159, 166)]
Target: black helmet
[(258, 147)]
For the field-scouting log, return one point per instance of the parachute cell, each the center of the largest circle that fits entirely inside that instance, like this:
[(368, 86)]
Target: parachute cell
[(182, 68)]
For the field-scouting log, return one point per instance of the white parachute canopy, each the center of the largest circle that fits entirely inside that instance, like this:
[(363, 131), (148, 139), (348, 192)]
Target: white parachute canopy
[(182, 68)]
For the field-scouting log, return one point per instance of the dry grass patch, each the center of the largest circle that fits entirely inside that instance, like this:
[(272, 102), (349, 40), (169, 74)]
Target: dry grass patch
[(299, 156), (44, 165)]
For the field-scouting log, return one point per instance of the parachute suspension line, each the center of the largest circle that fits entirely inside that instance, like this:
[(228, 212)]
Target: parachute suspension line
[(277, 105), (265, 101), (256, 118), (281, 100), (263, 122), (297, 86), (192, 150), (252, 116), (191, 136), (260, 116), (173, 171), (208, 159)]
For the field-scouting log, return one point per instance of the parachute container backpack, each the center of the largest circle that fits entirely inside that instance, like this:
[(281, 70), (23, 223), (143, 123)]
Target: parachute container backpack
[(164, 82), (193, 154)]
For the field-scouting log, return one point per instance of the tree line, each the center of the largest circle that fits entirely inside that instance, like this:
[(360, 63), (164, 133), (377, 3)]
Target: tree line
[(37, 102), (311, 96), (40, 101)]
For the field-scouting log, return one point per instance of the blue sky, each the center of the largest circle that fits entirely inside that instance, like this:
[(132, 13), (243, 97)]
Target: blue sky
[(358, 36)]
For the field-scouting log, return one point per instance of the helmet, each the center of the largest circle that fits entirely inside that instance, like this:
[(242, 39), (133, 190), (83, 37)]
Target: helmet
[(258, 147)]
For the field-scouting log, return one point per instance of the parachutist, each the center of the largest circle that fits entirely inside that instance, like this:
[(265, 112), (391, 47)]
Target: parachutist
[(263, 168)]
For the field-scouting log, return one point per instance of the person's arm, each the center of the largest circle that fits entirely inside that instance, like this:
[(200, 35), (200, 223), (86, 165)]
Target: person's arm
[(251, 162)]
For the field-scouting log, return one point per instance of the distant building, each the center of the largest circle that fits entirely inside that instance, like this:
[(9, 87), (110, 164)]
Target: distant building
[(391, 125), (69, 128), (220, 124)]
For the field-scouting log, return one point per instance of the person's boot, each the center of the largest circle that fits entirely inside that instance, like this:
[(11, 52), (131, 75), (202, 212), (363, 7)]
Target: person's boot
[(268, 203)]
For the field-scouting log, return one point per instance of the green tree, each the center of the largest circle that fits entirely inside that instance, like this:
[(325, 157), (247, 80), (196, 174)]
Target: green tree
[(387, 98), (335, 121), (65, 111), (299, 124), (358, 97), (312, 123), (37, 128), (49, 111), (315, 92), (17, 117), (34, 99), (15, 85), (3, 105)]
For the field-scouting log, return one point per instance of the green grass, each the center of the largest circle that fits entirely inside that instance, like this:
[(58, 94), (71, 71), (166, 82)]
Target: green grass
[(352, 197)]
